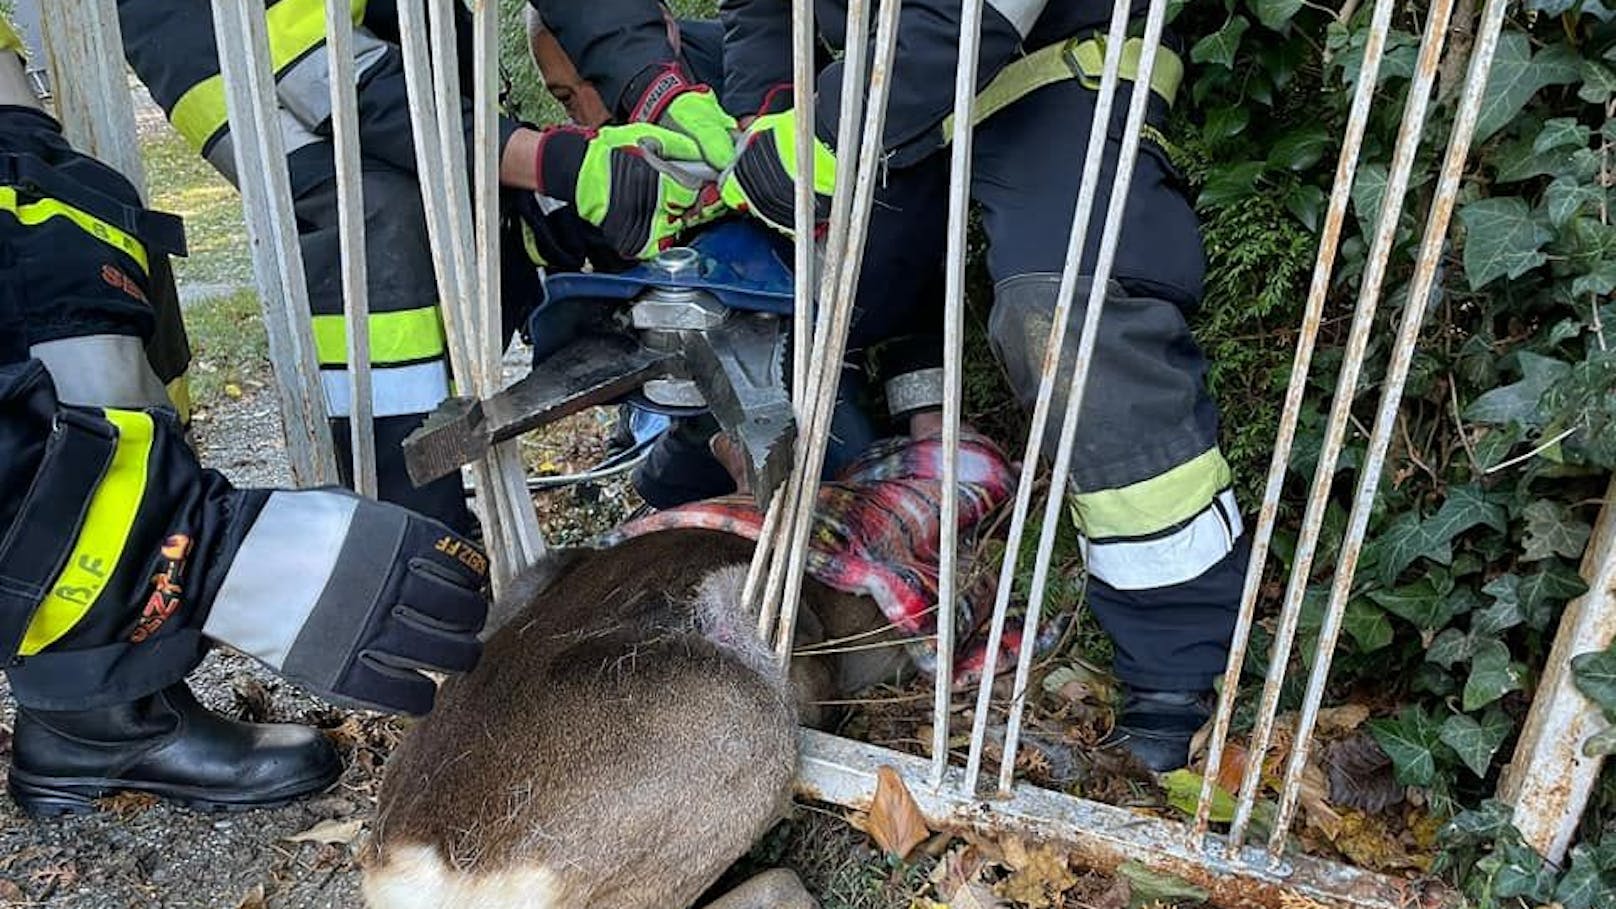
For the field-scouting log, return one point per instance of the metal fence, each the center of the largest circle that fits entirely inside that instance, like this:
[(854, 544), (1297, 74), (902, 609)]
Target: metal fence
[(1549, 780)]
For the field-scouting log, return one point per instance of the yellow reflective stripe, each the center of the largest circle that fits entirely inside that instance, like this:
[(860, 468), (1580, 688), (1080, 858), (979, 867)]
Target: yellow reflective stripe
[(295, 27), (179, 394), (1165, 76), (395, 337), (1153, 505), (32, 214), (101, 540), (200, 113)]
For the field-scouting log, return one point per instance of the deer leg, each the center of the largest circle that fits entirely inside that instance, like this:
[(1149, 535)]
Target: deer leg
[(777, 889)]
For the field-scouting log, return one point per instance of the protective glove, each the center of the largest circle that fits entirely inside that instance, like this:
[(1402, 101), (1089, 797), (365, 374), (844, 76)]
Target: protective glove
[(762, 178), (642, 185), (666, 95), (121, 554)]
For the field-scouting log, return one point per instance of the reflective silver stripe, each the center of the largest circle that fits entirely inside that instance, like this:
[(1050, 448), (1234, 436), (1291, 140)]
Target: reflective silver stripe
[(223, 153), (305, 88), (14, 87), (394, 390), (1181, 556), (280, 572), (102, 371), (914, 391), (1021, 13)]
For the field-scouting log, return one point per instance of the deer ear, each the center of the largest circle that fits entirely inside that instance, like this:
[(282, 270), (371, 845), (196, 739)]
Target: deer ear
[(530, 584)]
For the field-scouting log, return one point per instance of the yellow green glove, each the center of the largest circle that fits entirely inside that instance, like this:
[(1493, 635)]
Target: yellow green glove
[(642, 185), (762, 179), (663, 94)]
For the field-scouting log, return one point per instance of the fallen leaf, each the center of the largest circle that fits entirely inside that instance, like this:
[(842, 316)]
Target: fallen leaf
[(959, 867), (1314, 797), (341, 832), (1344, 718), (1147, 886), (10, 893), (253, 899), (1360, 774), (127, 804), (1367, 842), (232, 390), (975, 895), (1041, 875), (1232, 769), (894, 820), (252, 699), (1184, 793)]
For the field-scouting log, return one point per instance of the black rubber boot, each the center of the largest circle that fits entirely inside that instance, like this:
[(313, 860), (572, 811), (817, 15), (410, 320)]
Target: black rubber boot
[(1156, 727), (168, 745)]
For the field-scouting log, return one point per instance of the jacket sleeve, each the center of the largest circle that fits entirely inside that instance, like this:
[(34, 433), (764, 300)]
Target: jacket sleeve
[(922, 93), (757, 54), (610, 41)]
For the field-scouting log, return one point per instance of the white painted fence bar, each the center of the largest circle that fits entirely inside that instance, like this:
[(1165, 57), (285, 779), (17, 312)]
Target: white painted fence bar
[(339, 43), (959, 210), (1391, 207), (1420, 291), (266, 195), (1088, 187), (1319, 291), (1054, 508), (1550, 779), (833, 321), (802, 95)]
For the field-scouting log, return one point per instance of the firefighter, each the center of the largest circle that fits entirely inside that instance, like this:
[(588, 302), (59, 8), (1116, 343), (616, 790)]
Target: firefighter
[(612, 200), (121, 559), (1151, 493)]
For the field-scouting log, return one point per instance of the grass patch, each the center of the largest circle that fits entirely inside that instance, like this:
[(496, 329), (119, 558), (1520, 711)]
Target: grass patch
[(229, 349), (182, 183)]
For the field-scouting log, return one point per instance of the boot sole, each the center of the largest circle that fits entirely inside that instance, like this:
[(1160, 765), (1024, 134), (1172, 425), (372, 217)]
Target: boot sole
[(46, 797)]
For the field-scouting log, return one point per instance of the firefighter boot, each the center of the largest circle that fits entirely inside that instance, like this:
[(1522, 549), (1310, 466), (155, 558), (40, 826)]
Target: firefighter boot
[(1156, 727), (166, 744)]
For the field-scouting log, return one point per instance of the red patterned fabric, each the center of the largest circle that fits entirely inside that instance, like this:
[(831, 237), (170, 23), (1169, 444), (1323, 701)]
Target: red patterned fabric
[(876, 533)]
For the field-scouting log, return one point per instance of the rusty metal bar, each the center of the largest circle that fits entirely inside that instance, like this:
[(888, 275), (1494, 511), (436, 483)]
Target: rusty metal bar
[(1391, 208), (351, 230), (1139, 104), (266, 195), (1419, 297), (835, 318), (1323, 266), (1094, 157)]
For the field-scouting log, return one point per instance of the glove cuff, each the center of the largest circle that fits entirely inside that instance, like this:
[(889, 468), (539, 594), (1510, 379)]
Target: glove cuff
[(649, 93), (777, 99), (559, 160)]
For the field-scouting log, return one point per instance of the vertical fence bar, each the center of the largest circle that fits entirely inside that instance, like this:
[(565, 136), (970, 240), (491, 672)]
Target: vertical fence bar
[(1307, 339), (90, 85), (1402, 356), (1550, 780), (266, 196), (1139, 104), (830, 335), (1054, 350), (1391, 208), (351, 228), (959, 207)]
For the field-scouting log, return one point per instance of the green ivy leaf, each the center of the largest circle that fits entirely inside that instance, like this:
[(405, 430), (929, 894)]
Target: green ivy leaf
[(1519, 401), (1492, 675), (1518, 161), (1601, 744), (1306, 202), (1301, 148), (1225, 122), (1410, 740), (1367, 624), (1419, 603), (1477, 741), (1276, 14), (1220, 47), (1502, 239), (1559, 133), (1551, 530), (1595, 674), (1517, 75), (1541, 591), (1403, 541), (1566, 198), (1450, 647), (1227, 185), (1478, 826), (1504, 612), (1587, 883), (1521, 873), (1367, 191), (1600, 281), (1598, 82)]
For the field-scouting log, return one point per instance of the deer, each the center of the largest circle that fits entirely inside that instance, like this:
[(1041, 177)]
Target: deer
[(625, 739)]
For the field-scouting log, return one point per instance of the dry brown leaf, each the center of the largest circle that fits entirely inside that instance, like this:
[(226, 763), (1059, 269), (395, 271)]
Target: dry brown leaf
[(975, 895), (894, 820), (253, 899), (1232, 769), (1344, 718), (340, 832), (127, 804), (1361, 775), (11, 894), (1314, 797), (1041, 876)]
